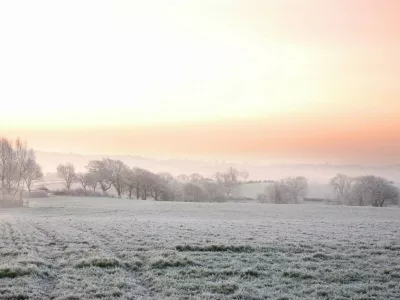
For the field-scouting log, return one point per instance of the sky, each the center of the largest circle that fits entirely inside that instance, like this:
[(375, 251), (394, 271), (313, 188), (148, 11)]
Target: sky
[(288, 80)]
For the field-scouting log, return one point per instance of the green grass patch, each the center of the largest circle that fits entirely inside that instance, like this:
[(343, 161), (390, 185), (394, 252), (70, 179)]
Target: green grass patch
[(13, 272), (215, 248), (163, 263), (297, 275), (251, 273), (101, 262), (321, 256), (224, 288)]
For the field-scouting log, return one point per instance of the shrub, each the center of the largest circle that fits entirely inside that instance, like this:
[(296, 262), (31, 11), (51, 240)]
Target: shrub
[(79, 193), (36, 194)]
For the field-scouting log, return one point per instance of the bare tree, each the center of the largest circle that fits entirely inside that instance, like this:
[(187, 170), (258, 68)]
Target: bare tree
[(193, 192), (372, 190), (105, 185), (228, 180), (287, 190), (138, 176), (116, 171), (297, 188), (83, 179), (164, 187), (160, 183), (135, 178), (341, 185), (213, 190), (173, 191), (16, 162), (6, 154), (24, 158), (277, 192), (67, 172), (167, 188), (366, 190), (92, 180), (147, 184), (33, 172), (109, 172), (357, 193), (381, 191), (130, 182), (98, 170)]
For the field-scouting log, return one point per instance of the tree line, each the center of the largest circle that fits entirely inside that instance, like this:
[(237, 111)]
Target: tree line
[(139, 183), (19, 170), (289, 190), (365, 190), (368, 190)]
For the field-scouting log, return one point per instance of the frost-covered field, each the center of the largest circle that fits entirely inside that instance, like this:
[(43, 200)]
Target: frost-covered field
[(71, 248)]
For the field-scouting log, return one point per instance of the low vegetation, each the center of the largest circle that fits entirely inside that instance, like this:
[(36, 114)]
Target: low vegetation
[(101, 262), (79, 192), (7, 271), (215, 248), (170, 262), (99, 248)]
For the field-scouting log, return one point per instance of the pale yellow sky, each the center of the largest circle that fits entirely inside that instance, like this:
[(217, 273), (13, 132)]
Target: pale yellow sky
[(134, 64)]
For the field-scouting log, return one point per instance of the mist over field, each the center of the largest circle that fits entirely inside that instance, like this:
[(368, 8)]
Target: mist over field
[(318, 174), (199, 150), (129, 227)]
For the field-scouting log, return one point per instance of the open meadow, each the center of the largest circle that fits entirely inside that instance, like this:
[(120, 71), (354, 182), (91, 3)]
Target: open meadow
[(99, 248)]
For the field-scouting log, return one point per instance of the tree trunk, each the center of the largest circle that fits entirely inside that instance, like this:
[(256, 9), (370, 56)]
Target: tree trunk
[(104, 187), (28, 186)]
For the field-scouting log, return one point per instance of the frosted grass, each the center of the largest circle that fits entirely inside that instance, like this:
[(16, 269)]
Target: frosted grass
[(83, 248)]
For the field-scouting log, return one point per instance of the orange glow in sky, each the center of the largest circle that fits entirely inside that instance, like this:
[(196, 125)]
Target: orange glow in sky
[(280, 79)]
